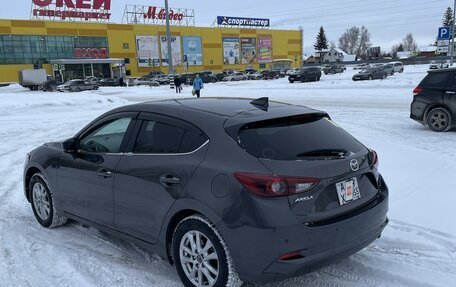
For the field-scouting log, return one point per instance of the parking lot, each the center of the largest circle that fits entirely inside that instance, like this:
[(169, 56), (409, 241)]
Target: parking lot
[(416, 163)]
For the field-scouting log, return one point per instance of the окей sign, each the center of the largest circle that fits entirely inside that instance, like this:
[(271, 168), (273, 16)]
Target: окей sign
[(91, 53), (72, 9)]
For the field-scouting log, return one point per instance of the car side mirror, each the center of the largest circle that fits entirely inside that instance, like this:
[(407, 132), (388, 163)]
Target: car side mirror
[(71, 145)]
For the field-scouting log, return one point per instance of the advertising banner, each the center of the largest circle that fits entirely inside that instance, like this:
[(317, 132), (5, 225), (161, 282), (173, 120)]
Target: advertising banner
[(231, 51), (147, 48), (248, 50), (236, 21), (175, 50), (265, 50), (193, 53)]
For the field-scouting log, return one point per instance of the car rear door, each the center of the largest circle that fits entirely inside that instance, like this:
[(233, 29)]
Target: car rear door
[(449, 97), (164, 153), (85, 178)]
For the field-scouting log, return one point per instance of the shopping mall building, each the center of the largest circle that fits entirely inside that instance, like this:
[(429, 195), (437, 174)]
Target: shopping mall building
[(77, 47)]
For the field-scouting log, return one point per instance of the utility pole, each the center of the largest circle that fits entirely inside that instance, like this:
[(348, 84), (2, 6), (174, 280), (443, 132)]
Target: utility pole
[(452, 34), (168, 40)]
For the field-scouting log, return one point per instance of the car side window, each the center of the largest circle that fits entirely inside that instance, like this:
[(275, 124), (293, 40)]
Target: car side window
[(156, 137), (107, 138)]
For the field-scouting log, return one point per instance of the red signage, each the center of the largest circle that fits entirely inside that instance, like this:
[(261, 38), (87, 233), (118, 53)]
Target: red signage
[(72, 9), (161, 15), (91, 53)]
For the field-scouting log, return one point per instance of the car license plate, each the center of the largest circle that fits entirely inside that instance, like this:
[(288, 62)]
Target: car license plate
[(348, 191)]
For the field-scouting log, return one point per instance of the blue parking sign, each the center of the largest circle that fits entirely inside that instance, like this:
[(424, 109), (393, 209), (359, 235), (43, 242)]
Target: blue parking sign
[(444, 33)]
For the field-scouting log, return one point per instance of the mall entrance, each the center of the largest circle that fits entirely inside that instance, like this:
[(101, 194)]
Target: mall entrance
[(72, 69)]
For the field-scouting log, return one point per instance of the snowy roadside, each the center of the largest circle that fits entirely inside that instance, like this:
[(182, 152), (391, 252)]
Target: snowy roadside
[(418, 248)]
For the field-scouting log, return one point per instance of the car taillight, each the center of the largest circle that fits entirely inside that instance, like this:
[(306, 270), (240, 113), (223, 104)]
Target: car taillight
[(268, 185), (416, 91), (373, 158)]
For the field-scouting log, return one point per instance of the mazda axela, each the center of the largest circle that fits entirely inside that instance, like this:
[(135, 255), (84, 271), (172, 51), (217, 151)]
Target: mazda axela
[(227, 189)]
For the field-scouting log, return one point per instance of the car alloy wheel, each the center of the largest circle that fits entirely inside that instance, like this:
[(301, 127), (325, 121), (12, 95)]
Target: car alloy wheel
[(199, 259), (201, 256), (439, 120), (41, 202)]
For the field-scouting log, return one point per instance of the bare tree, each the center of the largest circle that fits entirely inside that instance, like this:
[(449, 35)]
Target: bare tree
[(409, 43), (355, 41), (364, 41)]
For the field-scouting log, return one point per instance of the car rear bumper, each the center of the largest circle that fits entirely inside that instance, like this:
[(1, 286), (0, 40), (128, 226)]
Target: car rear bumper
[(417, 111), (256, 251)]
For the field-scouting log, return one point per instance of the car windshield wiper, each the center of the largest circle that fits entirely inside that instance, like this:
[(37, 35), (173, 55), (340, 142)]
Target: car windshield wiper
[(323, 154)]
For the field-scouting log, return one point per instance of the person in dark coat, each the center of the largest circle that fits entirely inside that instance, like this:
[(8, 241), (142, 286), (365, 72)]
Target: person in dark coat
[(121, 82), (178, 84)]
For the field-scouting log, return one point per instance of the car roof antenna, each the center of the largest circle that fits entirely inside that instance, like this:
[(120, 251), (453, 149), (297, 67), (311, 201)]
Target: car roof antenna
[(261, 103)]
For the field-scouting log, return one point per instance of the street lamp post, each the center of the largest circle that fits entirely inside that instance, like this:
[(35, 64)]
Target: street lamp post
[(168, 39), (452, 34)]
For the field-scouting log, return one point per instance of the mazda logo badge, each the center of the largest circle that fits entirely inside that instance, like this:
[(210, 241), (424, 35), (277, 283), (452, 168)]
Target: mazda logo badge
[(354, 165)]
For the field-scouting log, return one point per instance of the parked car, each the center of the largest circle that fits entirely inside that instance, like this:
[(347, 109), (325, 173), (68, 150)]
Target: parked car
[(220, 76), (236, 77), (109, 82), (434, 100), (371, 74), (147, 81), (334, 69), (162, 79), (306, 74), (438, 65), (361, 66), (92, 80), (153, 74), (198, 180), (132, 81), (255, 76), (250, 70), (398, 67), (77, 86), (293, 71), (280, 72), (269, 75), (389, 69), (50, 85), (325, 66)]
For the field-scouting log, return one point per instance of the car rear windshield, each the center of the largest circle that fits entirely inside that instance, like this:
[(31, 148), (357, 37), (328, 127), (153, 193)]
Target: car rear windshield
[(435, 79), (309, 136)]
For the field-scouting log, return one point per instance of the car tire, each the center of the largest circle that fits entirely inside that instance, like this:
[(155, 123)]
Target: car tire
[(95, 88), (217, 271), (439, 120), (42, 201), (371, 78), (402, 70), (77, 90), (232, 80), (291, 81)]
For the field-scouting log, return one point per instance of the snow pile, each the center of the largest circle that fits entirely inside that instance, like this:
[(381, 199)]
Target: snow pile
[(418, 248)]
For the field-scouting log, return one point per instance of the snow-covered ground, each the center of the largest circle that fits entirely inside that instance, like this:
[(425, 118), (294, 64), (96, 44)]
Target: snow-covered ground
[(418, 248)]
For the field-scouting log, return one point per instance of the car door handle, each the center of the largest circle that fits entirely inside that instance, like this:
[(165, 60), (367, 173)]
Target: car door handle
[(450, 92), (167, 180), (104, 173)]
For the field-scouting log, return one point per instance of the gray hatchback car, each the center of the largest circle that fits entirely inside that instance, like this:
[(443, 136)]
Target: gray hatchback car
[(229, 190)]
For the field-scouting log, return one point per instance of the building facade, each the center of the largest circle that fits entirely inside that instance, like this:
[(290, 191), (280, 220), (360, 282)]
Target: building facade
[(77, 49)]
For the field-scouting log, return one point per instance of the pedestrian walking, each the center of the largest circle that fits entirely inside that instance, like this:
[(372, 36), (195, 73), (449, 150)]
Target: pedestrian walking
[(178, 84), (121, 82), (197, 86)]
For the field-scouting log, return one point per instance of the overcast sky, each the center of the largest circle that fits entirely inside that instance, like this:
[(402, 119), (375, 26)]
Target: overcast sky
[(387, 20)]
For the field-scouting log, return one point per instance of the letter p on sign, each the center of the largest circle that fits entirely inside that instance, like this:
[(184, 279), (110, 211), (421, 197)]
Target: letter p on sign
[(444, 33)]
